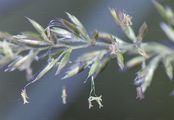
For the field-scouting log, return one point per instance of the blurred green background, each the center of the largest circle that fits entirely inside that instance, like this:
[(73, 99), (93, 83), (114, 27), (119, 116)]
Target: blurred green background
[(117, 89)]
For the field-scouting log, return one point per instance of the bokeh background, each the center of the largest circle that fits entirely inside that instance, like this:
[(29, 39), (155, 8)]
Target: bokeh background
[(117, 89)]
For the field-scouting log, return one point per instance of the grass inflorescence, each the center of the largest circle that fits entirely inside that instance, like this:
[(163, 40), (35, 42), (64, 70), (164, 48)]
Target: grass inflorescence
[(61, 37)]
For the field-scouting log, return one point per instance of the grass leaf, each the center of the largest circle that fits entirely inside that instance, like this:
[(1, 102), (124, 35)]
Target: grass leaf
[(64, 60), (168, 67), (46, 69), (39, 29), (120, 60), (135, 61), (168, 31), (142, 31), (78, 27), (93, 67)]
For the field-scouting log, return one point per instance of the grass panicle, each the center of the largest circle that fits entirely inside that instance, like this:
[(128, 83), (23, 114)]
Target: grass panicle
[(61, 38)]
